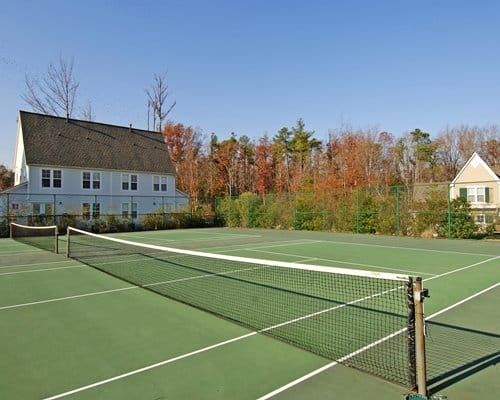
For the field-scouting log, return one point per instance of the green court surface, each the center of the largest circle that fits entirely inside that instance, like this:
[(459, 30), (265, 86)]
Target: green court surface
[(70, 331)]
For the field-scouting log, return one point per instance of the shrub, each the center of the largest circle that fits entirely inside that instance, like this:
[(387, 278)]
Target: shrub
[(461, 221)]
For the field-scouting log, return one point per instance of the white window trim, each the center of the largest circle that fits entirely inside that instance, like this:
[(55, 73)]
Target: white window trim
[(91, 211), (91, 180), (42, 178), (133, 210), (53, 178), (129, 181), (94, 180), (86, 216), (475, 194), (50, 178), (125, 209), (162, 180)]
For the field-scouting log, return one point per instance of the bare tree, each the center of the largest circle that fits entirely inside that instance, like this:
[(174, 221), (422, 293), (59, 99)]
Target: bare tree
[(55, 93), (88, 112), (157, 97)]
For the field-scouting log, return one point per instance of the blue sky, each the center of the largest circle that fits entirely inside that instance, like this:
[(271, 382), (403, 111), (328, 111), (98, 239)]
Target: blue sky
[(252, 67)]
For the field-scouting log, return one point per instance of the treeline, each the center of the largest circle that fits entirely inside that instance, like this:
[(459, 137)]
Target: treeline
[(6, 177), (294, 160)]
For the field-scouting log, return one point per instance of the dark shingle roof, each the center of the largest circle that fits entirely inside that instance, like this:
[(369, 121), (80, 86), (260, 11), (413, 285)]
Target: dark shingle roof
[(55, 141)]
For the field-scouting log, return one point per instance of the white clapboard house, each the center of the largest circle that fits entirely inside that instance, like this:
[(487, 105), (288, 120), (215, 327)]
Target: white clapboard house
[(65, 166)]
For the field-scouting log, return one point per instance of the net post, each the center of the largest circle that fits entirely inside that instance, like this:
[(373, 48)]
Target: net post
[(56, 244), (10, 230), (410, 324), (420, 294), (67, 242)]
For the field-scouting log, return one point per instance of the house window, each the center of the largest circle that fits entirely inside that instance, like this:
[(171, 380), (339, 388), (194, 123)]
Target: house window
[(125, 181), (56, 178), (478, 194), (45, 178), (86, 211), (159, 183), (49, 209), (133, 182), (132, 207), (36, 209), (14, 207), (129, 182), (95, 182), (96, 210), (86, 180), (480, 219), (124, 210)]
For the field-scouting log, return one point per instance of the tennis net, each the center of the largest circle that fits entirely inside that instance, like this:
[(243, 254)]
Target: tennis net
[(43, 237), (360, 318)]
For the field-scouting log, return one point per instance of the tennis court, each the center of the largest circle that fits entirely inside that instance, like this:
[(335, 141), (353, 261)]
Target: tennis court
[(70, 331)]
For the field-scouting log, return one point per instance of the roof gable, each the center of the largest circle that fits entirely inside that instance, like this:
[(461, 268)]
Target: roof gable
[(61, 142), (474, 162)]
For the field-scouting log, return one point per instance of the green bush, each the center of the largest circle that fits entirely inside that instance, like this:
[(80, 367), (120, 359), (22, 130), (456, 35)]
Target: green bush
[(462, 223)]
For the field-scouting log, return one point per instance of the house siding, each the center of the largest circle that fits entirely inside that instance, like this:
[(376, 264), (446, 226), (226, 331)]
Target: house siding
[(20, 168), (69, 198), (477, 174)]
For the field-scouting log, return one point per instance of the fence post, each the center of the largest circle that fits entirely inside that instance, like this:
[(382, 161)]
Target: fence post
[(357, 210), (163, 211), (398, 214), (324, 216), (449, 212), (54, 212), (294, 209), (8, 216)]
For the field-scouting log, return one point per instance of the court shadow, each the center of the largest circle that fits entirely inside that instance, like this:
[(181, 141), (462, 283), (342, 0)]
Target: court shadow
[(455, 353)]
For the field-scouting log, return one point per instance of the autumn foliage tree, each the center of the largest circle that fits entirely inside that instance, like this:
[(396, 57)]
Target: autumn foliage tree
[(6, 178), (294, 160), (264, 163), (185, 147)]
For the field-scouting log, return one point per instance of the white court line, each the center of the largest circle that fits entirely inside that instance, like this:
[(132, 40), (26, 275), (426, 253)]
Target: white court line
[(67, 298), (306, 260), (222, 236), (130, 287), (343, 262), (31, 265), (236, 235), (408, 248), (22, 252), (463, 301), (463, 268), (42, 270), (312, 241), (281, 243)]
